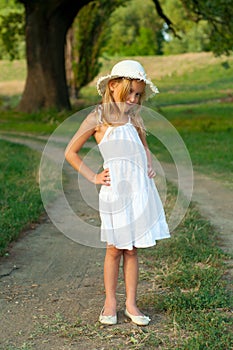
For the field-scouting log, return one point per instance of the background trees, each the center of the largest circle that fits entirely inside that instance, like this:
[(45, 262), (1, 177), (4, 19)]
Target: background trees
[(135, 28), (189, 36), (218, 14), (201, 26)]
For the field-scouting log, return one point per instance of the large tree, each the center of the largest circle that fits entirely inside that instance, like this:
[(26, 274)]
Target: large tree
[(47, 23)]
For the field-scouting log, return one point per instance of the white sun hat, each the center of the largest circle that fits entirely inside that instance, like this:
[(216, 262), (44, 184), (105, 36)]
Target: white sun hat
[(127, 69)]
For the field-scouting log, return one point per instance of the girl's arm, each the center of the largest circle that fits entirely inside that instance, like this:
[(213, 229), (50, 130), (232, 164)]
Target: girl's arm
[(86, 130), (150, 170)]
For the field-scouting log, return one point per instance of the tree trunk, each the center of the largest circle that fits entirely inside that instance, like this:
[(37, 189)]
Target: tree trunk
[(69, 63), (46, 26)]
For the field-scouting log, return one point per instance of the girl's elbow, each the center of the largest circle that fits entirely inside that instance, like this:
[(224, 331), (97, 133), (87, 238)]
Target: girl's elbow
[(71, 156), (68, 154)]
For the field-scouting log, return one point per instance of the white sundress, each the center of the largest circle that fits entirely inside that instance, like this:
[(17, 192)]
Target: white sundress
[(131, 210)]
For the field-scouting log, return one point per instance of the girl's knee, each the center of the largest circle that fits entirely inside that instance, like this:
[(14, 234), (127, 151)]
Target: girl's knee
[(113, 251), (132, 252)]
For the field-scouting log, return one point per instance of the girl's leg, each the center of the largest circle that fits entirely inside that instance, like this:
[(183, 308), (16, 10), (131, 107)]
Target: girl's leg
[(111, 270), (131, 280)]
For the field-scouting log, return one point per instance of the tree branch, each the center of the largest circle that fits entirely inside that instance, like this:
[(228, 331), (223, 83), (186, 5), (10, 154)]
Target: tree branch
[(165, 18), (195, 8)]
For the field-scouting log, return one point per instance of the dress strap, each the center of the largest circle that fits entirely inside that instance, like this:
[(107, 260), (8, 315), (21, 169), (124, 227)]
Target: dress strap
[(99, 114), (129, 119)]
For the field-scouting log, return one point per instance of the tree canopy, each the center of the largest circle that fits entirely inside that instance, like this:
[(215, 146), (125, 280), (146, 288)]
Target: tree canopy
[(189, 36), (134, 29), (217, 14), (12, 30)]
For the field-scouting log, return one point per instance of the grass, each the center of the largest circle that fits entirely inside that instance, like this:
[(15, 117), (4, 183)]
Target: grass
[(20, 196), (12, 70), (41, 123), (207, 131)]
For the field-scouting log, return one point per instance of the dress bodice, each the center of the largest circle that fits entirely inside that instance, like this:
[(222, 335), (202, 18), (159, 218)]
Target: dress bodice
[(122, 143)]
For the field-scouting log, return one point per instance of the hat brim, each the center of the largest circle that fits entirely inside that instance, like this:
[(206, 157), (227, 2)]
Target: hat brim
[(150, 89)]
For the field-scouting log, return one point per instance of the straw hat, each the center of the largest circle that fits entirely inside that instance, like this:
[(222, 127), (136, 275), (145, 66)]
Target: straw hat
[(127, 69)]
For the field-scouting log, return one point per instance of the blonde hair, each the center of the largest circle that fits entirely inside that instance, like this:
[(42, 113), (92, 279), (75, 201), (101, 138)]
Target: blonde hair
[(110, 108)]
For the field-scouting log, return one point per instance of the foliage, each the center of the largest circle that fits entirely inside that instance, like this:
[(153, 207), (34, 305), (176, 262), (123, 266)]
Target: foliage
[(206, 24), (190, 36), (89, 35), (134, 29), (129, 23), (12, 32), (219, 15)]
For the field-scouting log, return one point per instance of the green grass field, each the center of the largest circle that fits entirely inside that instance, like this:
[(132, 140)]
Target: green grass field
[(20, 196), (196, 96), (200, 106)]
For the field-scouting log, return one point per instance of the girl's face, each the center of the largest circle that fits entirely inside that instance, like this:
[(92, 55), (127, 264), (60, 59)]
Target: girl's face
[(128, 91)]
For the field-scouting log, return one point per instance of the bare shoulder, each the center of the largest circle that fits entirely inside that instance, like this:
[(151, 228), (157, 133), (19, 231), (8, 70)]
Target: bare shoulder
[(91, 119), (89, 124)]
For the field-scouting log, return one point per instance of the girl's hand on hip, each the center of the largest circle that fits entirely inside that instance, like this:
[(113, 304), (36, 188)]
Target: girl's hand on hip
[(151, 173), (103, 178)]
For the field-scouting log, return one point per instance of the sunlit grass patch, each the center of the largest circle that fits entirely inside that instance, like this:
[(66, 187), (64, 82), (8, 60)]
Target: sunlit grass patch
[(207, 131), (13, 70), (40, 123)]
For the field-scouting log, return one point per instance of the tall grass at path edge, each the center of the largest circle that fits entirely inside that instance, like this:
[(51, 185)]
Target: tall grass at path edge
[(21, 203)]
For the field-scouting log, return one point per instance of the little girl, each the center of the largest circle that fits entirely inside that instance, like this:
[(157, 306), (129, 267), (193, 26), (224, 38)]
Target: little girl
[(130, 208)]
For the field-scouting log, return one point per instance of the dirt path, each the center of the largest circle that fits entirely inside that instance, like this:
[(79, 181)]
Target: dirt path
[(47, 274), (215, 202)]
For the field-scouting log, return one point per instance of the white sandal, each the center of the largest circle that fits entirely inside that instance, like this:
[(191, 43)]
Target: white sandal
[(110, 320), (139, 320)]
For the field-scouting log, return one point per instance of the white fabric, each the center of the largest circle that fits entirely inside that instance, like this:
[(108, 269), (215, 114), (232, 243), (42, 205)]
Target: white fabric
[(130, 209)]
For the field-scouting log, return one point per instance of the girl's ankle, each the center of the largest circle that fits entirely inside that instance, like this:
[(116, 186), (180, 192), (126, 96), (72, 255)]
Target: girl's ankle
[(133, 309), (109, 309)]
